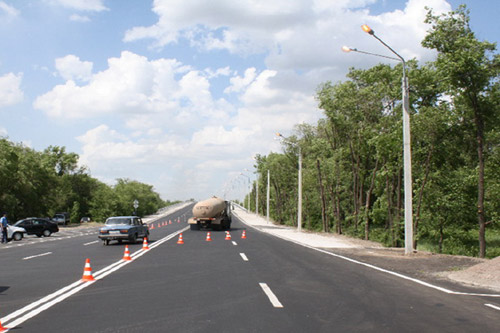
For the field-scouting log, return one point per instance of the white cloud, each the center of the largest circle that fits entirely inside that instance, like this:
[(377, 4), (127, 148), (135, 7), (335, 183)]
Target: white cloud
[(3, 132), (173, 115), (7, 12), (131, 84), (79, 18), (218, 136), (225, 71), (10, 89), (300, 34), (238, 83), (82, 5), (71, 67), (191, 158)]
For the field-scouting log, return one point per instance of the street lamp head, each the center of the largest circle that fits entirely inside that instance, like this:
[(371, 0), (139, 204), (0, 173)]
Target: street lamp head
[(279, 134), (347, 49), (367, 29)]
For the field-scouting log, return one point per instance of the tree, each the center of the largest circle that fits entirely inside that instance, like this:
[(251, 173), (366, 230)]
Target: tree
[(470, 70)]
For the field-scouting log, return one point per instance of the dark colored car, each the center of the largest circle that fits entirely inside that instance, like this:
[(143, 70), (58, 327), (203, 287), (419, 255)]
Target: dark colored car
[(121, 228), (37, 226)]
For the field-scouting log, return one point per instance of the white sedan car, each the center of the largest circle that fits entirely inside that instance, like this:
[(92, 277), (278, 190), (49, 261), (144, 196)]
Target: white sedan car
[(15, 233)]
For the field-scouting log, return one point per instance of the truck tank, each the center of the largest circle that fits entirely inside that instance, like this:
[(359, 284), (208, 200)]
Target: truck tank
[(214, 213)]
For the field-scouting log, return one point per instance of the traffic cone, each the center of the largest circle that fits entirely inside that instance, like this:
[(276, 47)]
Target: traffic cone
[(244, 234), (180, 241), (228, 236), (209, 238), (178, 220), (126, 255), (87, 272), (145, 244), (169, 221)]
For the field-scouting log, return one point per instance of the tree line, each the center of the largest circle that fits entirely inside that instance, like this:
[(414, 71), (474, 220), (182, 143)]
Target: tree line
[(352, 158), (39, 184)]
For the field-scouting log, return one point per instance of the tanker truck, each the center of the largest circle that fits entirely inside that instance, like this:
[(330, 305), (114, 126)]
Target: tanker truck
[(214, 213)]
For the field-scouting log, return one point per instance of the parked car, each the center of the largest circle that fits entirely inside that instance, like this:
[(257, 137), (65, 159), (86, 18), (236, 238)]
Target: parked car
[(121, 228), (37, 226), (61, 218), (15, 233)]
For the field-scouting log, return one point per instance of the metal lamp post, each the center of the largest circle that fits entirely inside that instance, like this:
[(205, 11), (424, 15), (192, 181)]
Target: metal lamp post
[(268, 195), (257, 195), (248, 200), (299, 203), (408, 192)]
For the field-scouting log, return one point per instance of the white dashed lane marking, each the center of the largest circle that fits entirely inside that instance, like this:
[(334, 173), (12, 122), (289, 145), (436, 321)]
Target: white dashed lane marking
[(272, 297), (493, 306), (37, 255)]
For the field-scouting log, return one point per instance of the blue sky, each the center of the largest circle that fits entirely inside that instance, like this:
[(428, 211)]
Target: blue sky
[(182, 94)]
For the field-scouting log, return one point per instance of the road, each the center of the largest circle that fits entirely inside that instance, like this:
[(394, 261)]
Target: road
[(257, 284)]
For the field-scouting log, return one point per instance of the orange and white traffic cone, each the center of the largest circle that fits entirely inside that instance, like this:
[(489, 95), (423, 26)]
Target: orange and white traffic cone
[(152, 226), (87, 272), (145, 244), (178, 220), (169, 221), (228, 236), (209, 238), (180, 241), (244, 234), (2, 328), (126, 255)]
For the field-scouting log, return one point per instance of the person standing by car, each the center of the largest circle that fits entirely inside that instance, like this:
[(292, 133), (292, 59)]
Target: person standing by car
[(4, 224)]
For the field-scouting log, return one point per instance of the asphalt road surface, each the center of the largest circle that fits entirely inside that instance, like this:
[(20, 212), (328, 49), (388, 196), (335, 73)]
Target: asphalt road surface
[(257, 284)]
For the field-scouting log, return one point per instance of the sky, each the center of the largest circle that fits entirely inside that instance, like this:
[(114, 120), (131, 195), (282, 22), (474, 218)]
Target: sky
[(181, 94)]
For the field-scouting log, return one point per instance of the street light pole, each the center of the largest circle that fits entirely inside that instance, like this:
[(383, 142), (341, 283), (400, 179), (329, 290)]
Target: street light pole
[(408, 191), (248, 200), (257, 195), (268, 194), (299, 209), (299, 190)]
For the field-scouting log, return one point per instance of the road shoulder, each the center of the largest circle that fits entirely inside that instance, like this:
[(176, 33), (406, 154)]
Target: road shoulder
[(455, 272)]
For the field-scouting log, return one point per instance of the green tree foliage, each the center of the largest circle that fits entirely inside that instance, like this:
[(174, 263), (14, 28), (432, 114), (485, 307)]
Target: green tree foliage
[(352, 159), (470, 73), (126, 191), (42, 183)]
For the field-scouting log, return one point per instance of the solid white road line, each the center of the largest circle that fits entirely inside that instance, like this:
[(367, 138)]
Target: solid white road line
[(37, 255), (244, 256), (493, 306), (33, 309), (90, 243), (272, 297), (402, 276)]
